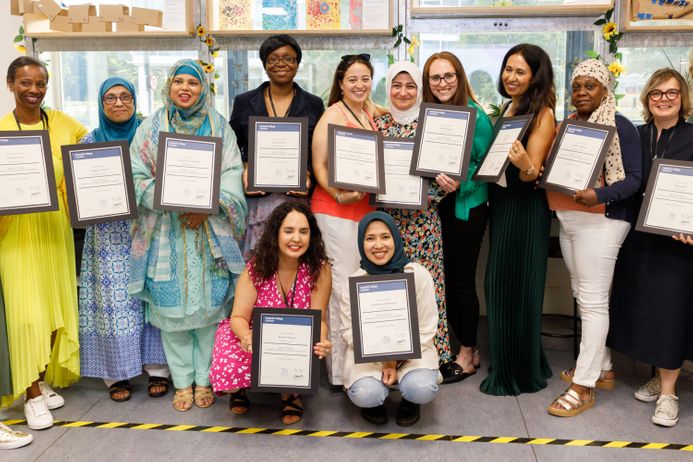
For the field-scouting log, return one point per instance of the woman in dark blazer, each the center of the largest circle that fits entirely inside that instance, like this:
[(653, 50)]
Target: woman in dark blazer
[(279, 97)]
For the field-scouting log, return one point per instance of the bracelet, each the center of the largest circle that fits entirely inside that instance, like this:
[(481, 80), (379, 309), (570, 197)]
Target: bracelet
[(337, 197), (529, 171)]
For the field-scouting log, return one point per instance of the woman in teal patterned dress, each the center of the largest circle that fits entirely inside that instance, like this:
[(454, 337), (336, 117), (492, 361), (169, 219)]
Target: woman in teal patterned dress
[(420, 229)]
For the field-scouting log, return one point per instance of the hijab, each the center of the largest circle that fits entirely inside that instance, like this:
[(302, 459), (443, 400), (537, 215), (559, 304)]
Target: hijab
[(605, 114), (113, 131), (398, 260), (411, 114), (193, 120)]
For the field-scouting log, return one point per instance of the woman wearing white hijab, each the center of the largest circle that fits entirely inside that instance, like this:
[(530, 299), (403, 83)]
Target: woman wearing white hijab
[(420, 229), (594, 223)]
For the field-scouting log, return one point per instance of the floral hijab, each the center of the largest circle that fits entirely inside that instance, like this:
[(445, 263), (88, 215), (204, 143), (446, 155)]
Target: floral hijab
[(193, 120)]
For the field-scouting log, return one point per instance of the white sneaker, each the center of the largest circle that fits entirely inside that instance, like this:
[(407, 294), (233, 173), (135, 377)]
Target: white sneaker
[(667, 411), (53, 400), (650, 391), (37, 414), (10, 439)]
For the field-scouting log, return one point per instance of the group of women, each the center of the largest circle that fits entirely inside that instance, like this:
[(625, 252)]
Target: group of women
[(156, 293)]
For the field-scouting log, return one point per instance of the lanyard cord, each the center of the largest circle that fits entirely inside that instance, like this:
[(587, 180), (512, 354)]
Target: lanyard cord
[(269, 92), (352, 113), (44, 119)]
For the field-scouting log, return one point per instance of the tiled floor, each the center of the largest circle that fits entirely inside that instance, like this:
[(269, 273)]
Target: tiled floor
[(460, 409)]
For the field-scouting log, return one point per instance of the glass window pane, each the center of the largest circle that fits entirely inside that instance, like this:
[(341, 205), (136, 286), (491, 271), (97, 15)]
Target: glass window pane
[(495, 3)]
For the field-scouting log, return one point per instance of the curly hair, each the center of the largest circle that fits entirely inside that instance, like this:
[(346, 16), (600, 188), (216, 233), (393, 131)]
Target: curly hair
[(266, 252)]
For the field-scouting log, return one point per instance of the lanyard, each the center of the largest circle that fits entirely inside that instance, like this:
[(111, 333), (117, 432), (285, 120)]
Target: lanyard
[(352, 113), (654, 142), (293, 289), (269, 91), (44, 119)]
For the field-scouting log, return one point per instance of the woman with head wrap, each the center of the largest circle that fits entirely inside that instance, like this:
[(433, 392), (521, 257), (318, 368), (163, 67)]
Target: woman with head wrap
[(114, 339), (184, 265), (594, 223), (279, 97), (368, 384), (420, 229)]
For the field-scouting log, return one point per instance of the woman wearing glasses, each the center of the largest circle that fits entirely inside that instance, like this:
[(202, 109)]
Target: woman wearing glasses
[(463, 215), (279, 97), (338, 211), (652, 297), (115, 341)]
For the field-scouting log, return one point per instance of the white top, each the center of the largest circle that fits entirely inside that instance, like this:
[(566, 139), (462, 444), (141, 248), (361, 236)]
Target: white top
[(427, 310)]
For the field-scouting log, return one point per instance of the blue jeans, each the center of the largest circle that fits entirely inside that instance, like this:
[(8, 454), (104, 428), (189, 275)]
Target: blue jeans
[(417, 386)]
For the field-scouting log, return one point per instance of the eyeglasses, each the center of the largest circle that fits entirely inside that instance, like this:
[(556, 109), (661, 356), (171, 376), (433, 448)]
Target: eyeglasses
[(449, 77), (111, 99), (671, 94), (363, 56), (287, 59)]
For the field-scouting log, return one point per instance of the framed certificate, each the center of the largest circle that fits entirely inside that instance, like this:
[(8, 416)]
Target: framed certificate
[(403, 190), (507, 130), (667, 206), (27, 179), (384, 319), (188, 173), (283, 359), (99, 183), (277, 154), (443, 142), (577, 156), (355, 160)]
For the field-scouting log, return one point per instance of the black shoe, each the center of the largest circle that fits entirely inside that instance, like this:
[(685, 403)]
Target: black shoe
[(453, 372), (375, 415), (408, 413)]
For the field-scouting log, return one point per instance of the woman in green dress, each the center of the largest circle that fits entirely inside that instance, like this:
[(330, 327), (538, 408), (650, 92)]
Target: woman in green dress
[(519, 225)]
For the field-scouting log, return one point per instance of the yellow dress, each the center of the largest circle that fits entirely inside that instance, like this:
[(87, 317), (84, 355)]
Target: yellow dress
[(37, 269)]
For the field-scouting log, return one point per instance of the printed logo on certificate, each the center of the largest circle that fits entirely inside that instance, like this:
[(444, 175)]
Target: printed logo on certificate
[(355, 159), (577, 156), (27, 178), (384, 318), (99, 183), (443, 142), (283, 359), (403, 190), (496, 160), (188, 172), (277, 154), (667, 206)]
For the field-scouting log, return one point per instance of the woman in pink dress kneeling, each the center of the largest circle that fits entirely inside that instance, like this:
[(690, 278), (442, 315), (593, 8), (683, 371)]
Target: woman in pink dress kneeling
[(288, 269)]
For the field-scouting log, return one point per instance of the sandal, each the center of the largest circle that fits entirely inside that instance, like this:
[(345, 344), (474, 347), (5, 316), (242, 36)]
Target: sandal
[(183, 399), (120, 387), (204, 397), (602, 382), (291, 408), (571, 403), (155, 382), (239, 402)]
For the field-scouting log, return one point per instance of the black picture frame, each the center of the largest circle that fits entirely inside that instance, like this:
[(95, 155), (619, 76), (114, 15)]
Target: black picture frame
[(73, 150), (333, 132), (253, 123), (422, 204), (527, 119), (262, 314)]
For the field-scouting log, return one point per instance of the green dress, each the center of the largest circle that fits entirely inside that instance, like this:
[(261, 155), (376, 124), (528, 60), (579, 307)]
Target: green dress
[(519, 225), (5, 376)]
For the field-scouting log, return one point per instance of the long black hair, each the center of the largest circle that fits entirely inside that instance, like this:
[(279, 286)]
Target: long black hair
[(542, 90)]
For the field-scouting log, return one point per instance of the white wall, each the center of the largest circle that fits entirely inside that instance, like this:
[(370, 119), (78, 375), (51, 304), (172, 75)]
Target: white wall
[(9, 26)]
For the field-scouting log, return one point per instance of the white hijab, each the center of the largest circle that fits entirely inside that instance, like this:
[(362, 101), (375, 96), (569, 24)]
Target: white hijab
[(411, 114)]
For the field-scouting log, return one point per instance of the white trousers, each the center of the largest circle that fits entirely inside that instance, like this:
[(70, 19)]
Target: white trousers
[(590, 243), (340, 236)]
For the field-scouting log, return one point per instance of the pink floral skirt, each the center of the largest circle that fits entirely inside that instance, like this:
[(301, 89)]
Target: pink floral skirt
[(230, 364)]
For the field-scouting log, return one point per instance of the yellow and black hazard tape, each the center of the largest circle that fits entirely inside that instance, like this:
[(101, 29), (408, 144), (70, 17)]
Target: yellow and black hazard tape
[(368, 435)]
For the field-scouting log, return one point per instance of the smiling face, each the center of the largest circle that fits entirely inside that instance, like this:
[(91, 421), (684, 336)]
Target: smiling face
[(278, 69), (588, 94), (443, 90), (29, 86), (356, 85), (185, 90), (118, 111), (403, 91), (378, 243), (294, 235), (665, 109), (517, 76)]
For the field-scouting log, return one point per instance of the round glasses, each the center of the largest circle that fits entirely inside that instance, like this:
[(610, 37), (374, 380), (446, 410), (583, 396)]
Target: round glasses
[(275, 59), (111, 99), (449, 77), (671, 94)]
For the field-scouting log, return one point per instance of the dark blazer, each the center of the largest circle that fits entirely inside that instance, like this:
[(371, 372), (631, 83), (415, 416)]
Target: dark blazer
[(252, 103)]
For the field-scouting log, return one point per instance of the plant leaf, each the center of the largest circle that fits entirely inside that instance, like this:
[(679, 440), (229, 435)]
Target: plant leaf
[(400, 27), (619, 56), (608, 14), (18, 38), (21, 29), (407, 41), (599, 22), (399, 40)]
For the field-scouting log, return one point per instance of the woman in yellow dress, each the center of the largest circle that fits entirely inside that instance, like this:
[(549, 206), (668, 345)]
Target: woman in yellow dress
[(37, 263)]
